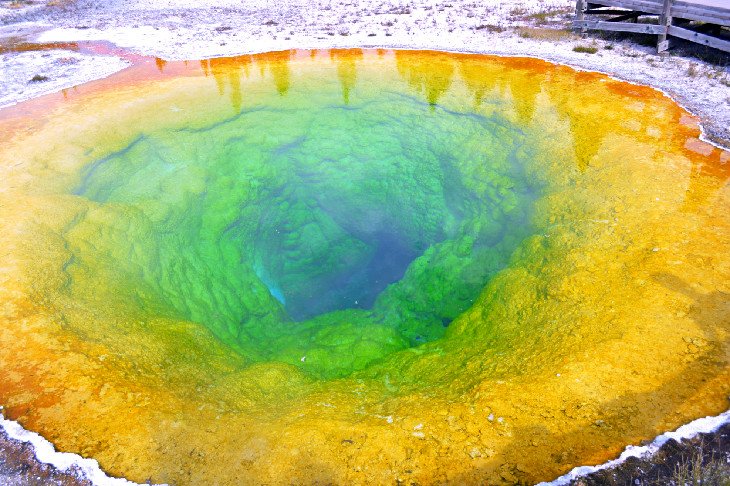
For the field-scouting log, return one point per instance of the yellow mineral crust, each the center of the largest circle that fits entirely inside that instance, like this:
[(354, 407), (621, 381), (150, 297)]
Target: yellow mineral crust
[(609, 326)]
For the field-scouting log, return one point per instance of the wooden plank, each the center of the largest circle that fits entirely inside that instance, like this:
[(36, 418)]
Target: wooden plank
[(665, 20), (721, 14), (613, 12), (701, 16), (707, 40), (643, 5), (720, 8), (715, 12), (630, 4), (646, 6), (708, 3), (714, 5), (702, 11), (705, 5), (618, 26), (580, 8)]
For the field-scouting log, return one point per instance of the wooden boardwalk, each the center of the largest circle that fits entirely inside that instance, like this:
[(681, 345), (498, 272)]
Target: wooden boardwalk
[(702, 21)]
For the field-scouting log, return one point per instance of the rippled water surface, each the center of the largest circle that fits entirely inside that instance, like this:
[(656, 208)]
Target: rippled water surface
[(359, 267)]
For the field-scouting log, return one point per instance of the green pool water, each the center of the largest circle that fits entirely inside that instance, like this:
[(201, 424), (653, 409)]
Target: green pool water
[(313, 229)]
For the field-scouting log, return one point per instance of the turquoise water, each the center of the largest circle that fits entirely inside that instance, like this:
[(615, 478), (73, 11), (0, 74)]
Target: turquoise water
[(316, 230)]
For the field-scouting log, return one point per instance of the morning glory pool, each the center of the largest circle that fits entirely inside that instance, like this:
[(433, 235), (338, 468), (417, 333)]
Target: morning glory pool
[(359, 266)]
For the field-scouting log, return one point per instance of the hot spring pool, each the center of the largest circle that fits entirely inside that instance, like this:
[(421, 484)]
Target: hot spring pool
[(360, 267)]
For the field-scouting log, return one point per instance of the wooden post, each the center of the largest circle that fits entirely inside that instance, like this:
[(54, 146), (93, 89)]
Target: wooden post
[(580, 7), (665, 20)]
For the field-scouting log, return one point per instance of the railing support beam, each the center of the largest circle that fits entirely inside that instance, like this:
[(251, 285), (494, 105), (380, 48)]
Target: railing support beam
[(665, 21)]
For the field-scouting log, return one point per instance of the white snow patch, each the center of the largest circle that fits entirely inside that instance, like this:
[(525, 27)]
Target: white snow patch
[(130, 37), (58, 69), (700, 426)]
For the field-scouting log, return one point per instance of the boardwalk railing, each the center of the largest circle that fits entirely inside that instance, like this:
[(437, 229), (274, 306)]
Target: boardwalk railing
[(701, 21)]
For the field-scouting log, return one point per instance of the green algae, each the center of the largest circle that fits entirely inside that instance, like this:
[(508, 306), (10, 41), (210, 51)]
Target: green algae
[(313, 228)]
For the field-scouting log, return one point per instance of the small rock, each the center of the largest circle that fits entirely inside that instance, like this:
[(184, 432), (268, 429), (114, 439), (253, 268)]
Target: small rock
[(38, 78)]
